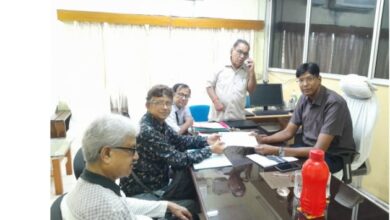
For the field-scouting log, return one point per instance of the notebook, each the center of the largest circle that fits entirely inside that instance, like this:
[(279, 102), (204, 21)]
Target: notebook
[(242, 124)]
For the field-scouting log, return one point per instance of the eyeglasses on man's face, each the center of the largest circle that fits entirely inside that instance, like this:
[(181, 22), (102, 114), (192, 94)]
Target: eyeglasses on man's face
[(130, 150), (308, 80), (161, 103), (242, 53), (183, 96)]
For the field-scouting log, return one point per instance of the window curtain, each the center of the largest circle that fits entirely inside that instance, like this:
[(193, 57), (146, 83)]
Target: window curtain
[(97, 63), (335, 53)]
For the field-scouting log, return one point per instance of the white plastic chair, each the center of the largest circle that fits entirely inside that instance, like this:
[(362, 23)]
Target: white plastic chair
[(363, 106)]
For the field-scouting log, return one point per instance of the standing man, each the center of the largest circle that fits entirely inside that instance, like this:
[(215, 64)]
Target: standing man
[(324, 117), (110, 153), (227, 87), (160, 148), (180, 118)]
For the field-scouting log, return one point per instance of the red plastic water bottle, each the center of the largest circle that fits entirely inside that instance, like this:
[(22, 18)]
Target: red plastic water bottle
[(315, 173)]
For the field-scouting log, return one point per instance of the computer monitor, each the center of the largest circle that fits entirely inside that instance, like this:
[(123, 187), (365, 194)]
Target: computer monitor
[(267, 95)]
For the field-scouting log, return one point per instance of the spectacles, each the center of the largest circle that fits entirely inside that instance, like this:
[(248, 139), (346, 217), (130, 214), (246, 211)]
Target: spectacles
[(161, 103), (184, 96), (309, 79), (240, 52), (127, 149)]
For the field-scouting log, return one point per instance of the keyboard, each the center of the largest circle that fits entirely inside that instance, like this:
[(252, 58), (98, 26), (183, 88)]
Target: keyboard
[(270, 112)]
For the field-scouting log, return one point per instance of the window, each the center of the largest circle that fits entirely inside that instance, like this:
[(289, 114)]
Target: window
[(287, 34), (382, 59), (336, 34)]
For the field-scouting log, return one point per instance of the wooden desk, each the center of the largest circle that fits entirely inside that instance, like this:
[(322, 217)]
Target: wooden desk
[(60, 149), (59, 124)]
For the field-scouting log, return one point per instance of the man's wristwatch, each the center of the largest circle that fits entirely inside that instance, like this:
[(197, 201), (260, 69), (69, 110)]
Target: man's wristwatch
[(281, 151)]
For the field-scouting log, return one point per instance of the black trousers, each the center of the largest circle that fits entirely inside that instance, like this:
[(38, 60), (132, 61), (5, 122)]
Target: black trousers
[(335, 163)]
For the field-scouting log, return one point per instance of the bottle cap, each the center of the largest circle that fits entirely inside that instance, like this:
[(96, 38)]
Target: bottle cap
[(316, 155)]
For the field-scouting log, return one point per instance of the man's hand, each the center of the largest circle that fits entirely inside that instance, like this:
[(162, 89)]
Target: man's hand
[(217, 147), (213, 138), (179, 211), (251, 65), (259, 137), (265, 149), (219, 106)]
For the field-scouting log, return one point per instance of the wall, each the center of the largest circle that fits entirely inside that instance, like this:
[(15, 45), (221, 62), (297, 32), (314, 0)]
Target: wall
[(377, 181)]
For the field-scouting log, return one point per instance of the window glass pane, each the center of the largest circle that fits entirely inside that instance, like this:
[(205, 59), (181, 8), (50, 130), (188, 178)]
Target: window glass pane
[(341, 35), (287, 33), (382, 60)]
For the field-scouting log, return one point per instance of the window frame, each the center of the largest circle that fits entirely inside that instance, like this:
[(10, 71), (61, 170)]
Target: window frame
[(373, 54)]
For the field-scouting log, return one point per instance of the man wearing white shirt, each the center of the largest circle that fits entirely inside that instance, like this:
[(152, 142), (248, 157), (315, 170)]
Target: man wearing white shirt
[(227, 87), (110, 153), (180, 118)]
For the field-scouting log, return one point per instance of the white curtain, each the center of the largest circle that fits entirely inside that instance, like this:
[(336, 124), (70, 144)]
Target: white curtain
[(95, 61), (78, 72)]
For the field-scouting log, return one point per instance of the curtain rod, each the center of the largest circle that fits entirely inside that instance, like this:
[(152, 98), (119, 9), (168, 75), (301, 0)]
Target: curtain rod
[(158, 20)]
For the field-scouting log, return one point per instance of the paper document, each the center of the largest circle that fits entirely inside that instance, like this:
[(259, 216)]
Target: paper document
[(238, 138), (215, 160), (207, 125), (265, 162)]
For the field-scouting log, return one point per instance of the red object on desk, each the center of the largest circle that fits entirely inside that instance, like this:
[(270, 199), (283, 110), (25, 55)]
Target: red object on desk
[(224, 124), (315, 173)]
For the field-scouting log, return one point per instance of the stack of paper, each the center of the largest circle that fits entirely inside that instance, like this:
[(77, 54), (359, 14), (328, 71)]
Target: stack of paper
[(238, 138), (265, 162), (209, 127), (215, 160)]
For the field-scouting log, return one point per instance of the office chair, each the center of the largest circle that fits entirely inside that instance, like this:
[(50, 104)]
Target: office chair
[(363, 106), (78, 163), (200, 112), (55, 209), (247, 101)]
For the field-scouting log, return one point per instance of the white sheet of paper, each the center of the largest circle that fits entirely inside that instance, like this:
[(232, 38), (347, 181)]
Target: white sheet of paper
[(215, 160), (238, 138), (207, 125), (265, 162)]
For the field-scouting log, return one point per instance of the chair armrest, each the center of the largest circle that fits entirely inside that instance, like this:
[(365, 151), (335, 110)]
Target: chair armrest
[(347, 155)]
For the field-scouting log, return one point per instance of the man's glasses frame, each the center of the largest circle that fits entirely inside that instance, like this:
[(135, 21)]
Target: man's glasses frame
[(128, 149), (161, 103), (308, 80), (183, 96), (240, 52)]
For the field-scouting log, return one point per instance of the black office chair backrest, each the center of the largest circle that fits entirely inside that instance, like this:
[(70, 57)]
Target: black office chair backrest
[(55, 209), (78, 163)]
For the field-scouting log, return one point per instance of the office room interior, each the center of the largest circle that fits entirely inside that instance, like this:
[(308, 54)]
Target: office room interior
[(106, 50)]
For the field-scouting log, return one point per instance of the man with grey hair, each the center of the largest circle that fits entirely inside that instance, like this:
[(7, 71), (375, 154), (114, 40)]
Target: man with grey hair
[(110, 153), (228, 86)]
